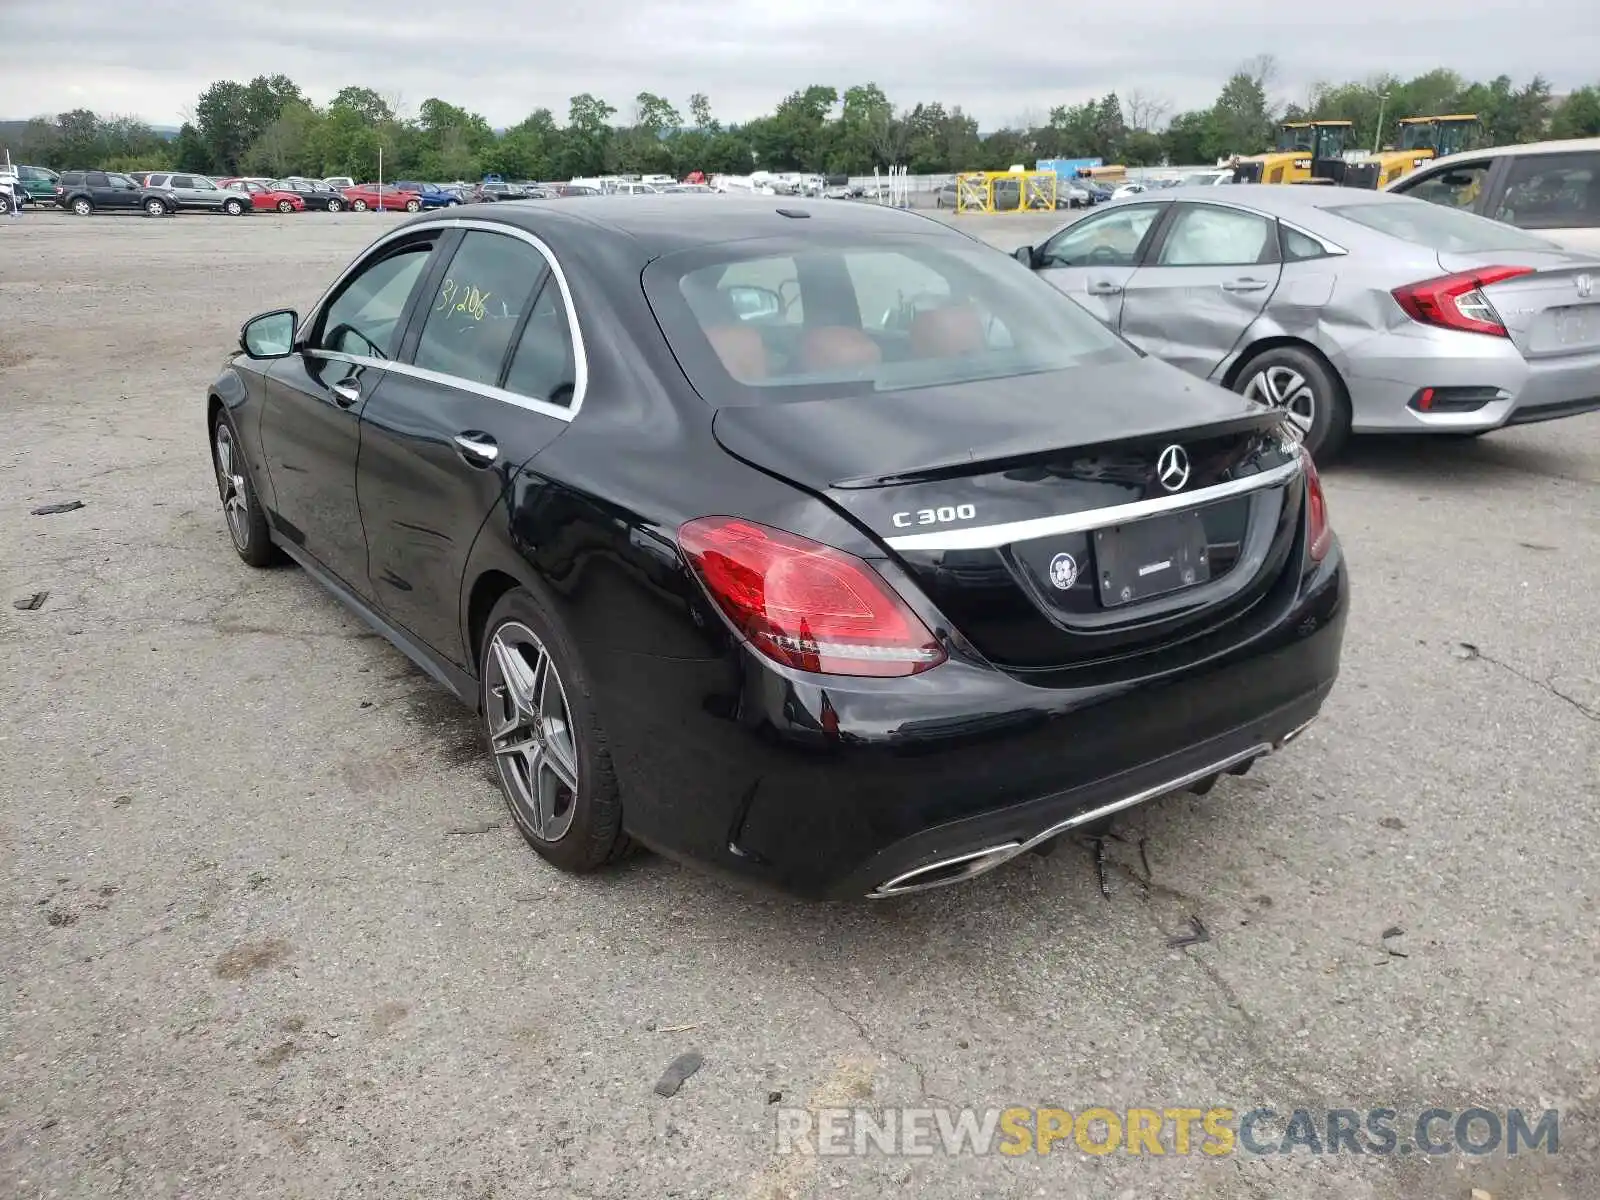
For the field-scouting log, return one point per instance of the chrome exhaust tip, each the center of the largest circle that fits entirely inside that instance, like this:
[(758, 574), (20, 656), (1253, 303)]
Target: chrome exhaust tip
[(1294, 733), (947, 871)]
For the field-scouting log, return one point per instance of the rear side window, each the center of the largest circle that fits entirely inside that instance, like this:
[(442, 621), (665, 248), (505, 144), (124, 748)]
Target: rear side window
[(479, 306), (543, 366), (1552, 191), (1298, 247), (1439, 229), (761, 321)]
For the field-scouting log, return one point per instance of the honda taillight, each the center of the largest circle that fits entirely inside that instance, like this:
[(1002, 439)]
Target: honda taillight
[(1319, 535), (1457, 301), (807, 605)]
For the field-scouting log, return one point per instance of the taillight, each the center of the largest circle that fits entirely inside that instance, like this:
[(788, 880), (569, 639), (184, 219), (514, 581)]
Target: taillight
[(1320, 534), (1457, 301), (807, 605)]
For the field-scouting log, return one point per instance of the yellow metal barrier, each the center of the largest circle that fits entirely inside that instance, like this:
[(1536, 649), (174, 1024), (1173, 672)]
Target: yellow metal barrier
[(1006, 191)]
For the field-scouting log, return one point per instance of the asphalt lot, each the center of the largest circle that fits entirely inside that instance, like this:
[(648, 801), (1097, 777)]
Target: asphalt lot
[(268, 931)]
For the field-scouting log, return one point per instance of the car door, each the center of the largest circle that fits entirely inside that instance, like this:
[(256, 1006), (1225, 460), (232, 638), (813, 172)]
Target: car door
[(121, 192), (310, 424), (1092, 259), (1206, 278), (493, 373), (195, 191)]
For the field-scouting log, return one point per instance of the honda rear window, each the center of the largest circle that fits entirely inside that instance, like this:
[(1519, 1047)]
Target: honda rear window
[(1440, 229), (755, 322)]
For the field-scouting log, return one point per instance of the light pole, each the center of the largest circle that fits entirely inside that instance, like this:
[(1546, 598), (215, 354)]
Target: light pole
[(1377, 136)]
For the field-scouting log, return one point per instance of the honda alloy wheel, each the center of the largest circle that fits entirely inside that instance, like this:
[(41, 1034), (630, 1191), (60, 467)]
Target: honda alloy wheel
[(359, 205)]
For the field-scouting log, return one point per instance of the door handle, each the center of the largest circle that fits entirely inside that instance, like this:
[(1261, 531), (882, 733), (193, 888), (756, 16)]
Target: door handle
[(1244, 285), (478, 449), (1103, 287), (346, 394)]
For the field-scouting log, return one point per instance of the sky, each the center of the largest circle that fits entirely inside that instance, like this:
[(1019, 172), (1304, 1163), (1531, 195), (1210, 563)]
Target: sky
[(1001, 60)]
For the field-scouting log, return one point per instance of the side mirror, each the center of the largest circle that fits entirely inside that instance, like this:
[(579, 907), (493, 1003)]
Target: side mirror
[(754, 303), (1025, 255), (271, 335)]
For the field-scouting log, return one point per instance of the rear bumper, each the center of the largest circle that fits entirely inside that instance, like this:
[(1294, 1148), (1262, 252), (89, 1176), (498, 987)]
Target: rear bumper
[(834, 792), (1386, 373)]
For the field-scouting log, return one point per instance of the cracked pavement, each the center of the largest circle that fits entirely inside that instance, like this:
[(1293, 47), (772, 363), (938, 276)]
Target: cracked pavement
[(267, 932)]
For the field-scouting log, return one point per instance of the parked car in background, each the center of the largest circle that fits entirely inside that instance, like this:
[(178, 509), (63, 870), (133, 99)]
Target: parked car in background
[(573, 190), (1353, 311), (339, 182), (493, 190), (910, 515), (431, 194), (1123, 191), (86, 192), (193, 192), (1548, 188), (36, 184), (12, 196), (374, 197), (264, 197), (1215, 178), (684, 189), (314, 193)]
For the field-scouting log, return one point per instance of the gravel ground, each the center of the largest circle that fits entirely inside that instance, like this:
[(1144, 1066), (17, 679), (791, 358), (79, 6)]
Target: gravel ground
[(267, 929)]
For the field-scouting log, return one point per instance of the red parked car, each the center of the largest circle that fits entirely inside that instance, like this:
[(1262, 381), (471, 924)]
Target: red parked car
[(264, 198), (370, 196)]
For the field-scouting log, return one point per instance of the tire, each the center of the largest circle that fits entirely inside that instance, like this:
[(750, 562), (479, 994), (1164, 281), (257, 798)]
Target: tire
[(5, 205), (579, 829), (155, 208), (451, 203), (82, 206), (285, 207), (413, 205), (234, 208), (241, 510), (335, 205), (358, 206), (1299, 381)]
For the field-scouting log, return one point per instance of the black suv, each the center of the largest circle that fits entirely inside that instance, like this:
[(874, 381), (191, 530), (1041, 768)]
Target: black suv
[(85, 192)]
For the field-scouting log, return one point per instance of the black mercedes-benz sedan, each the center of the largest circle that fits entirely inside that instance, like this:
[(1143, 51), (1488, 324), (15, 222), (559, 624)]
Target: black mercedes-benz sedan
[(822, 545)]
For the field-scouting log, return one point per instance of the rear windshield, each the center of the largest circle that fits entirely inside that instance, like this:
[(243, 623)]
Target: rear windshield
[(1438, 228), (802, 318)]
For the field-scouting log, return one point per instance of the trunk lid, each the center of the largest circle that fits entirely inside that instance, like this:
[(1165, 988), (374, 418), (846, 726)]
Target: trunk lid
[(992, 496), (1553, 311)]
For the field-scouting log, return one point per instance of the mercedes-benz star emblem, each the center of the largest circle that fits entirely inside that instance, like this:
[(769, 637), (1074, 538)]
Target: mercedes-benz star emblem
[(1063, 571), (1585, 286), (1172, 468)]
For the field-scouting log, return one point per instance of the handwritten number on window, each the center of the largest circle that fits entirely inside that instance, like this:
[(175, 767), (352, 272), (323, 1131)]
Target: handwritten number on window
[(467, 300)]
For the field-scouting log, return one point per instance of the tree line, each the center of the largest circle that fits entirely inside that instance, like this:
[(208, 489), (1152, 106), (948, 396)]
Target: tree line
[(268, 126)]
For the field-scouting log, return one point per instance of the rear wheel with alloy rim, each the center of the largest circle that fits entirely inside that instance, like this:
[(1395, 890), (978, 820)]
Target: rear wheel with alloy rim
[(82, 206), (247, 524), (1308, 393), (413, 205), (335, 205), (234, 208), (155, 208), (549, 751)]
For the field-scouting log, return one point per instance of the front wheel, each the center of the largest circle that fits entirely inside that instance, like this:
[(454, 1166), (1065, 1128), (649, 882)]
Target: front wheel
[(1308, 392), (247, 524), (451, 203), (155, 208), (413, 205), (234, 208), (5, 204), (285, 207), (335, 205), (358, 205), (549, 751), (82, 206)]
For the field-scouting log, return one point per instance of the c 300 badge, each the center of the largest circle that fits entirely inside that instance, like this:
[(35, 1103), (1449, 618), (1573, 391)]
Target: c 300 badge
[(1063, 571)]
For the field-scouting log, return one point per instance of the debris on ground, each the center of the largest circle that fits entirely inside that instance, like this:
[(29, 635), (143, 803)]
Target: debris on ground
[(677, 1028), (774, 1097), (677, 1071), (471, 830), (1394, 931), (31, 603), (1466, 650), (50, 510), (1199, 933)]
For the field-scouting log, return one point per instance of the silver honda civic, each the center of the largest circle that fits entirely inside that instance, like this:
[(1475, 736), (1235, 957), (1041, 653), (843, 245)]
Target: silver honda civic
[(1355, 311)]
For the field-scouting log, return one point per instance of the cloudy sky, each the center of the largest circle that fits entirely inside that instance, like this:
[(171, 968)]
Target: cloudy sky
[(1000, 59)]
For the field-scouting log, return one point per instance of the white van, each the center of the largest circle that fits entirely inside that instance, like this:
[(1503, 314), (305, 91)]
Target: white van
[(1551, 189)]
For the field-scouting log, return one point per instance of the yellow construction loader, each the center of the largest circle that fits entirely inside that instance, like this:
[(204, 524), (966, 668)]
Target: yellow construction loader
[(1302, 149), (1420, 139)]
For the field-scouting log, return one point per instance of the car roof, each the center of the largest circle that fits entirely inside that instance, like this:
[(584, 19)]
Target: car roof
[(1568, 146), (661, 225)]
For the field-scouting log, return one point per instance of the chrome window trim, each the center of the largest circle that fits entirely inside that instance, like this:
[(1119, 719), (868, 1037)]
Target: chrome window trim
[(580, 354), (992, 537), (1328, 247)]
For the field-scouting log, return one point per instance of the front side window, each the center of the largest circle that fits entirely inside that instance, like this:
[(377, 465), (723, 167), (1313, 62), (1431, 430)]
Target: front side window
[(122, 183), (767, 321), (478, 307), (1205, 236), (364, 318), (1554, 191), (1453, 187), (1109, 240)]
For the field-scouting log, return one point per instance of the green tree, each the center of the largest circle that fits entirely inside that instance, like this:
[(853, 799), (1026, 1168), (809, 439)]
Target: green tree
[(1578, 115), (700, 111)]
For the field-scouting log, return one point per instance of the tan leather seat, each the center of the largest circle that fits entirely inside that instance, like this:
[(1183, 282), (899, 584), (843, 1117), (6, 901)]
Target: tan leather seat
[(836, 347), (947, 332), (743, 353)]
